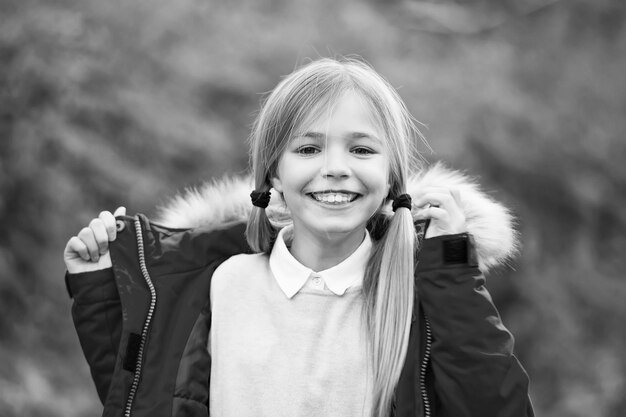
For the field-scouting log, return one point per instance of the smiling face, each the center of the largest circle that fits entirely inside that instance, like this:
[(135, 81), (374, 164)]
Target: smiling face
[(334, 174)]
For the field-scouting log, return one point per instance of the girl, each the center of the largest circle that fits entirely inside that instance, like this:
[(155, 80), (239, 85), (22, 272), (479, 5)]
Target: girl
[(357, 292)]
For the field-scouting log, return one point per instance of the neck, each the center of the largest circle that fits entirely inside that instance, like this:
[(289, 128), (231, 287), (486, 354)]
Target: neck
[(323, 252)]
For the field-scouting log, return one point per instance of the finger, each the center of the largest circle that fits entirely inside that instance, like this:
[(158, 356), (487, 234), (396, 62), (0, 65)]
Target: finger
[(120, 211), (439, 199), (432, 212), (76, 246), (109, 224), (101, 235), (88, 238)]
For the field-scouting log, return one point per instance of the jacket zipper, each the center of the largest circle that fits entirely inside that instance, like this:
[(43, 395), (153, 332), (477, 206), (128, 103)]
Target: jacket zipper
[(424, 368), (146, 325)]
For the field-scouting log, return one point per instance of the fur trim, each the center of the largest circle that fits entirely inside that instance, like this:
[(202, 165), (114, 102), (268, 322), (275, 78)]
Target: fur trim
[(490, 223), (228, 199)]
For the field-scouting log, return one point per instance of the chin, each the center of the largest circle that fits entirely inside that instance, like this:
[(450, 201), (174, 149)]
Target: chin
[(339, 230)]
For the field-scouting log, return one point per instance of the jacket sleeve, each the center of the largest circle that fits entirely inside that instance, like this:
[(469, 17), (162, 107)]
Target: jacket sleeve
[(473, 369), (97, 316)]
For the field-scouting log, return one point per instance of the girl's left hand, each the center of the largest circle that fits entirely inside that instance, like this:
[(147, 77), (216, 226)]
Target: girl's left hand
[(443, 207)]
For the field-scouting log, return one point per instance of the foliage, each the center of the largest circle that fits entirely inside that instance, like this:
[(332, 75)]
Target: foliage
[(110, 103)]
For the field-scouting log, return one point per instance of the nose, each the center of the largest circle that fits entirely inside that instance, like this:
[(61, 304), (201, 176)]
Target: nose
[(336, 165)]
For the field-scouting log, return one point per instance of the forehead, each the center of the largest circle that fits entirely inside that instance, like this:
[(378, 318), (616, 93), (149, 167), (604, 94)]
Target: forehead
[(349, 110)]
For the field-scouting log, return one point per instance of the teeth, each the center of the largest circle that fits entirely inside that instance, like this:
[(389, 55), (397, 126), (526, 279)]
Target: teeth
[(334, 198)]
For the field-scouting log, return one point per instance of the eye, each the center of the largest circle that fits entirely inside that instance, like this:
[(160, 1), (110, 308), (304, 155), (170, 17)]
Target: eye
[(307, 150), (363, 150)]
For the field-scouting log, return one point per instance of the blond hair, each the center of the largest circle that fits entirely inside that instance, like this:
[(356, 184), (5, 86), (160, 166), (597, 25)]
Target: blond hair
[(388, 283)]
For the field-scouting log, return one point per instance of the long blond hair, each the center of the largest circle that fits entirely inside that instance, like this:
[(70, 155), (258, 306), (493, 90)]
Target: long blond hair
[(388, 283)]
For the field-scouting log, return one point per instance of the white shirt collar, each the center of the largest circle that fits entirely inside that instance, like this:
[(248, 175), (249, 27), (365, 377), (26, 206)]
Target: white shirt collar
[(291, 275)]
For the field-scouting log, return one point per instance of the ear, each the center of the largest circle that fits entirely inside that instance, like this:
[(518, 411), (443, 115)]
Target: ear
[(387, 194), (277, 184)]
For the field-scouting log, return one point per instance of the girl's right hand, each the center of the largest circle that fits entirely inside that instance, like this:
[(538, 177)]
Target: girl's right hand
[(89, 250)]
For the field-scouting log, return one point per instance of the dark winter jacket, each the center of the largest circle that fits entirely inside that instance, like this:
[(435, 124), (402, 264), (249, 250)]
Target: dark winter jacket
[(144, 323)]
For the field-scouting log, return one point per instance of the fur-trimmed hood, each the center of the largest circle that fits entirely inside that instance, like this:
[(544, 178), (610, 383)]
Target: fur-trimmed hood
[(228, 199)]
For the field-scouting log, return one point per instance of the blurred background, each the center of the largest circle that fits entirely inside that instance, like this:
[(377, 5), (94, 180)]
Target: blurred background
[(107, 103)]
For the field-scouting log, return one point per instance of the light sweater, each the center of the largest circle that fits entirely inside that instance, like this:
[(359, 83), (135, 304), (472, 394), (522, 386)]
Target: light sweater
[(286, 341)]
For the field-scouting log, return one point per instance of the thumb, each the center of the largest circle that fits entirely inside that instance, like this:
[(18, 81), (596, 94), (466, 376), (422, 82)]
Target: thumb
[(120, 211)]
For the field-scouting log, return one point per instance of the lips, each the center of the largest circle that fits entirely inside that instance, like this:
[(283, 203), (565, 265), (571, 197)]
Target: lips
[(334, 197)]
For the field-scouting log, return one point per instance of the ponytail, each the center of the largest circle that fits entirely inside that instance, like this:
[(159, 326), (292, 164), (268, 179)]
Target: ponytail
[(389, 293), (260, 233)]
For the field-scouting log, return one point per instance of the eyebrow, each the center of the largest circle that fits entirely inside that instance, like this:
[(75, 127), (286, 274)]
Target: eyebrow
[(312, 135), (351, 135), (359, 135)]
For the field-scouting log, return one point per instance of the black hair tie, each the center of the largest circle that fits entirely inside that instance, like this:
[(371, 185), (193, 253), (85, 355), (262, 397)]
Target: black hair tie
[(260, 198), (402, 201)]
